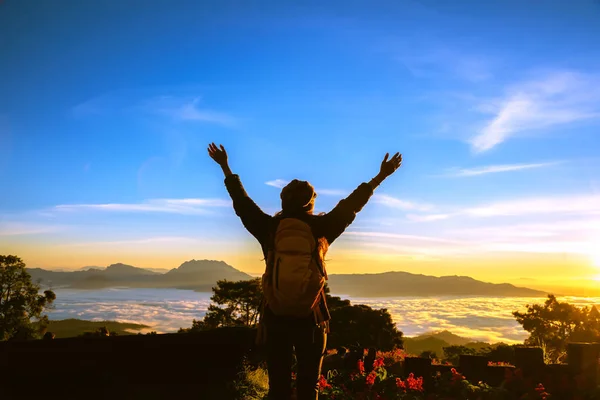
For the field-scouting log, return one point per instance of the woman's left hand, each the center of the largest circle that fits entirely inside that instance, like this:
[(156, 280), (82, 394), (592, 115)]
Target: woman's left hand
[(218, 154)]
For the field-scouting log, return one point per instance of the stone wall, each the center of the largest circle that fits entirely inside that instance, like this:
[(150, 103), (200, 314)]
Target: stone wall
[(169, 366)]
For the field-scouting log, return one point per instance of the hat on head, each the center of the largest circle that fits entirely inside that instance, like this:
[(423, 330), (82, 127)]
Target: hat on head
[(298, 196)]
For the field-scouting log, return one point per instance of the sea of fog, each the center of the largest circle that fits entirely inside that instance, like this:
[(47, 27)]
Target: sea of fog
[(166, 310)]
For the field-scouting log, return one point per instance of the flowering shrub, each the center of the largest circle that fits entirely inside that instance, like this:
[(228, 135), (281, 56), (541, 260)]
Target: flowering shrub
[(381, 384), (376, 385), (451, 385)]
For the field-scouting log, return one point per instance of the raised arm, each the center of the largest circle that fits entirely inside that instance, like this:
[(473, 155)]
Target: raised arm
[(343, 214), (254, 219)]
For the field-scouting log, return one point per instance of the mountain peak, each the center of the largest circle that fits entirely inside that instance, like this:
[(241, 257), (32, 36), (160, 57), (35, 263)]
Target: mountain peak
[(120, 266), (125, 269), (196, 265)]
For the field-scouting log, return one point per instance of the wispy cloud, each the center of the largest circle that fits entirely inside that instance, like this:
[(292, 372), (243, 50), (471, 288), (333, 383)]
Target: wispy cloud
[(389, 235), (331, 192), (14, 228), (281, 183), (158, 240), (186, 109), (177, 106), (176, 206), (491, 169), (401, 204), (579, 204), (553, 100), (427, 217), (565, 229), (278, 183), (438, 62)]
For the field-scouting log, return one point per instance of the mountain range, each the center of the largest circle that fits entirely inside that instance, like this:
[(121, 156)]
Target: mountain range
[(202, 275), (392, 284), (199, 275)]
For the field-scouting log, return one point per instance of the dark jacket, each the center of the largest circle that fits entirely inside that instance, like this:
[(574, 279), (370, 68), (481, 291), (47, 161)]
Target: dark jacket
[(326, 227)]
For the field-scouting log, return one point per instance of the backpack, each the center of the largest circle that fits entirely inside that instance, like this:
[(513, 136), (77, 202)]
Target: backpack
[(295, 275)]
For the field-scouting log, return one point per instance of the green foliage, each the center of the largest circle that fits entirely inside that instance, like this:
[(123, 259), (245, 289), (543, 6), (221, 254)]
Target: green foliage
[(253, 384), (100, 332), (428, 354), (553, 324), (21, 305), (501, 352), (75, 327), (452, 353), (419, 345), (453, 385)]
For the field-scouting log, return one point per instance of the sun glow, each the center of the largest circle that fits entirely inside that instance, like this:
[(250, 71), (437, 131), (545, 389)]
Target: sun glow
[(595, 253)]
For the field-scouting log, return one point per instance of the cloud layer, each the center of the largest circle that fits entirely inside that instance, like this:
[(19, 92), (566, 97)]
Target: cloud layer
[(166, 310)]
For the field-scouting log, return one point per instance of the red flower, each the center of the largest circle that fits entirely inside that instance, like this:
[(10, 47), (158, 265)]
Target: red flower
[(361, 367), (411, 383), (541, 391), (540, 388), (456, 376), (414, 384), (323, 384), (371, 378), (400, 384), (378, 363)]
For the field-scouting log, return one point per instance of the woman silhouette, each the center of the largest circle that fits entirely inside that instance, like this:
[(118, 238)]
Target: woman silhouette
[(294, 314)]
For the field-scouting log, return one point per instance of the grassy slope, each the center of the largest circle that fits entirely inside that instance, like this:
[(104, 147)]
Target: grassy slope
[(75, 327)]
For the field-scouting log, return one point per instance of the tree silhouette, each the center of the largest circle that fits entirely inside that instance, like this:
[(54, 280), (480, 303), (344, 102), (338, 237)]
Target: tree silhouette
[(21, 305), (238, 304), (428, 354), (453, 353), (235, 303), (362, 325), (553, 324)]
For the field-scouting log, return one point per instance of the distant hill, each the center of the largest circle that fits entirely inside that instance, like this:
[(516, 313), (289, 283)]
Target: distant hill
[(396, 284), (75, 327), (436, 341), (446, 336), (200, 275)]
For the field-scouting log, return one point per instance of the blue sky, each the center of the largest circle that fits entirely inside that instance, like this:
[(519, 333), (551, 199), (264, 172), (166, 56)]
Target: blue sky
[(106, 109)]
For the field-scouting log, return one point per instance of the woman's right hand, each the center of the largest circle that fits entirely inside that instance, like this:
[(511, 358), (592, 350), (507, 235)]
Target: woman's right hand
[(390, 166), (218, 154)]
